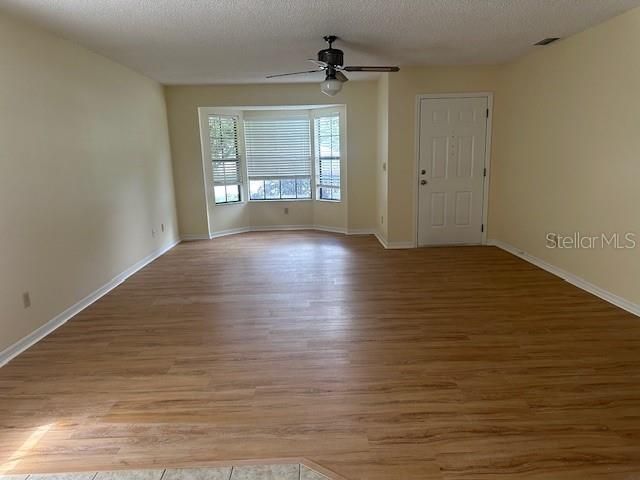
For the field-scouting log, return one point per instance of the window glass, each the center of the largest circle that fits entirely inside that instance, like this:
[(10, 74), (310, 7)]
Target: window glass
[(327, 138), (278, 151), (225, 158)]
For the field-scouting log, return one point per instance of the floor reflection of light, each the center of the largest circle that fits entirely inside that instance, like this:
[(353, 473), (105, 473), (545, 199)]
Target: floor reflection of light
[(26, 447)]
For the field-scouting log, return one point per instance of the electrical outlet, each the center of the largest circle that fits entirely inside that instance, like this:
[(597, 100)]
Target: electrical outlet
[(153, 232), (162, 227), (384, 166), (26, 299), (286, 210), (382, 219)]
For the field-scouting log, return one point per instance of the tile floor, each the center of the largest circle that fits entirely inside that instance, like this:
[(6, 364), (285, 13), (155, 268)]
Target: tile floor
[(236, 472)]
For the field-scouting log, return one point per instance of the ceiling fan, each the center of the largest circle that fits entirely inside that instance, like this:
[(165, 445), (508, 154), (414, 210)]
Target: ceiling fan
[(331, 60)]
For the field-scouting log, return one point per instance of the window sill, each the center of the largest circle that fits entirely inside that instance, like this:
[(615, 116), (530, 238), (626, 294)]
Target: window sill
[(275, 200), (229, 203), (278, 200)]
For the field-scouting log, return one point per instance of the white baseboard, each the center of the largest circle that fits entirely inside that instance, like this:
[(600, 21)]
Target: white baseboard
[(570, 278), (190, 237), (381, 239), (274, 228), (23, 344), (265, 228), (393, 245), (260, 228), (231, 231), (361, 231), (400, 245), (323, 228)]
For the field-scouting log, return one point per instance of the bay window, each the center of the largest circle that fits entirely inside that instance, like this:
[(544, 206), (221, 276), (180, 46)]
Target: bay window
[(259, 154)]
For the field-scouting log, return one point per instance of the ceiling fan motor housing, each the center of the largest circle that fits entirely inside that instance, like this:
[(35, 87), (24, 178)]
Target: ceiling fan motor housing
[(332, 56)]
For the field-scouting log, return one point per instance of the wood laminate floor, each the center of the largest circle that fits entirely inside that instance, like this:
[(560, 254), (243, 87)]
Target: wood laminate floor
[(443, 364)]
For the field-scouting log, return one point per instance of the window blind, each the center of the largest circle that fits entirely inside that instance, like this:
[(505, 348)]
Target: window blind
[(225, 154), (327, 138), (277, 147)]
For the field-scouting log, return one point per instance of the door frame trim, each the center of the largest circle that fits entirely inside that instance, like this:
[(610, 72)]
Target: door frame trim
[(487, 157)]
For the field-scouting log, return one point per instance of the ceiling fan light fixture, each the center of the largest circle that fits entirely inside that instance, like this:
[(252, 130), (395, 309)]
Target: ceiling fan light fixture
[(331, 86), (331, 61)]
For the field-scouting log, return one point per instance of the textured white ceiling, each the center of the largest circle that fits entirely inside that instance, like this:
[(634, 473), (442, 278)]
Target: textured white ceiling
[(241, 41)]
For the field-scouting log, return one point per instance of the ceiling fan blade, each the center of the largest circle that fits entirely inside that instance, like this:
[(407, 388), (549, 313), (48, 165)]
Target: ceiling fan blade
[(341, 76), (370, 69), (294, 73), (319, 63)]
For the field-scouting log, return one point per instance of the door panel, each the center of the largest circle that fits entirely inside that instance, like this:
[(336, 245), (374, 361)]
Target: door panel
[(465, 158), (463, 208), (452, 156), (439, 157), (438, 209)]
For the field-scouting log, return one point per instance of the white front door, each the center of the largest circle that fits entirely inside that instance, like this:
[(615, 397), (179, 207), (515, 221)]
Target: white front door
[(451, 171)]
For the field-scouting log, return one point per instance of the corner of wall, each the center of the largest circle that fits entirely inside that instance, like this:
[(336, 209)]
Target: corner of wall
[(382, 164)]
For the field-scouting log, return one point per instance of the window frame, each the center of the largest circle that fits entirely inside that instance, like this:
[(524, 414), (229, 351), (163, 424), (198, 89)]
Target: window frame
[(226, 194), (275, 114), (237, 160), (281, 199), (326, 112), (313, 111), (204, 114)]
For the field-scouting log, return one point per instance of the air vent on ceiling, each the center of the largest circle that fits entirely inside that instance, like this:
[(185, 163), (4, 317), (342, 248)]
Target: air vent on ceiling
[(547, 41)]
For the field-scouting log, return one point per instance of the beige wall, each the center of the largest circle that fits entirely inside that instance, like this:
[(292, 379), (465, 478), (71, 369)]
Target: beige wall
[(85, 174), (404, 87), (360, 100), (566, 155)]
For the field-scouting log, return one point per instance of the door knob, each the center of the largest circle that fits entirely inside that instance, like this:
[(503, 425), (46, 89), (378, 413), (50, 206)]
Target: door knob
[(423, 182)]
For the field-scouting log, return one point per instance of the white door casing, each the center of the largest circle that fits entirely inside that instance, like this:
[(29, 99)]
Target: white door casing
[(451, 166)]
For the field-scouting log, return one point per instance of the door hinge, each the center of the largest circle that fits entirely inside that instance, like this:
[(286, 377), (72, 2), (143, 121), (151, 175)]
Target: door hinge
[(487, 113), (482, 228), (484, 172)]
